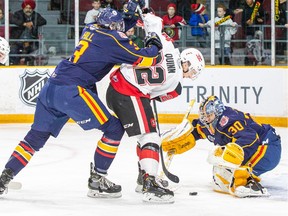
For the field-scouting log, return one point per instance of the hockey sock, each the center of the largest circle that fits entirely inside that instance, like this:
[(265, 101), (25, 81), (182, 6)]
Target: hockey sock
[(20, 157), (105, 153)]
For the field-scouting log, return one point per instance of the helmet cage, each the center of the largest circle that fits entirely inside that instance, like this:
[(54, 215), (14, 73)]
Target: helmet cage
[(211, 105)]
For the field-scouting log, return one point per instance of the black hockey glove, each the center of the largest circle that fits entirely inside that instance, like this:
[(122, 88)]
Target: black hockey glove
[(140, 2), (130, 12), (153, 39)]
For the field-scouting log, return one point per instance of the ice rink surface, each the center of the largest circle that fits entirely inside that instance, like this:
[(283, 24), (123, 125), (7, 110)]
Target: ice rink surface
[(55, 181)]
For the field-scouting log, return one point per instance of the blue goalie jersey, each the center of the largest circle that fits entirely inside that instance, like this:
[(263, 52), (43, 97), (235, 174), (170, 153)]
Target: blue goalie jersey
[(234, 126)]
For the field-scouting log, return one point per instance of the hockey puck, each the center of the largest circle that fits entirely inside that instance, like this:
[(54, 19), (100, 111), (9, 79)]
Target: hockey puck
[(193, 193)]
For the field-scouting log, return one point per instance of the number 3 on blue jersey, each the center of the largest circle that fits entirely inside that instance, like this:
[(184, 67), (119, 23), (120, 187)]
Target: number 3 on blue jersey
[(80, 49)]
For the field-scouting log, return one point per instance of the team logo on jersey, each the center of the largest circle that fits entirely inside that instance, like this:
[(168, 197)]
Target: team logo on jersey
[(170, 32), (153, 122), (223, 121), (31, 84), (210, 138)]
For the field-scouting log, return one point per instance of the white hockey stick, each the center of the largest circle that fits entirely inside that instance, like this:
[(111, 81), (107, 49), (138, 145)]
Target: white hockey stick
[(169, 156)]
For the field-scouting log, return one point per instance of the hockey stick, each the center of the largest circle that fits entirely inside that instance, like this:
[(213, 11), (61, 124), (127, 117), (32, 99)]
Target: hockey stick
[(169, 175), (170, 154)]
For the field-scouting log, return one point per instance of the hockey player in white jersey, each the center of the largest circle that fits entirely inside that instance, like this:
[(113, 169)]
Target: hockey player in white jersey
[(130, 93)]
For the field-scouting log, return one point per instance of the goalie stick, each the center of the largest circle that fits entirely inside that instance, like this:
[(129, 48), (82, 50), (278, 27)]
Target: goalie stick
[(170, 154)]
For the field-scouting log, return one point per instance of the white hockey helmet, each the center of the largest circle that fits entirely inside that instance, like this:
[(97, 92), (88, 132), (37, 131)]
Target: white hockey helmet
[(195, 60), (4, 50)]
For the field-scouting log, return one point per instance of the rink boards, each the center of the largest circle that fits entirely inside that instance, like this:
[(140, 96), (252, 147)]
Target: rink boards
[(261, 91)]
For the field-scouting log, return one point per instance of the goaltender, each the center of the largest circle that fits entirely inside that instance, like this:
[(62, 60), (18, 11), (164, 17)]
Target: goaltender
[(244, 149)]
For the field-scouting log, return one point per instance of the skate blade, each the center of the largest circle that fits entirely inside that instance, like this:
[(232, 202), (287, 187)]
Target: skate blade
[(139, 188), (15, 185), (151, 198), (97, 194)]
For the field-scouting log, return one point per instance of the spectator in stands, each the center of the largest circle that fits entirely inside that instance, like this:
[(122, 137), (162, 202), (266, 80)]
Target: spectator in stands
[(27, 22), (198, 16), (235, 7), (183, 8), (224, 29), (108, 3), (92, 14), (253, 15), (2, 19), (131, 35), (281, 32), (171, 22), (2, 22)]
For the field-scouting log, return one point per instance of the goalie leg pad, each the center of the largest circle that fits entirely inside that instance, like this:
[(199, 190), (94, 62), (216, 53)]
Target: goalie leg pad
[(222, 178)]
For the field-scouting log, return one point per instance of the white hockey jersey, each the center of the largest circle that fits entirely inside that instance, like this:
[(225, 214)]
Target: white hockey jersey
[(160, 80)]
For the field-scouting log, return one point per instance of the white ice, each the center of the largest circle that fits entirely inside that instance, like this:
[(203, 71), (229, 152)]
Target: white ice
[(55, 180)]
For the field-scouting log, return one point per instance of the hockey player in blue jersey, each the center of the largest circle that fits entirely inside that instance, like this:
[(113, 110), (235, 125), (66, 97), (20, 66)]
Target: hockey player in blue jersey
[(71, 93), (244, 149)]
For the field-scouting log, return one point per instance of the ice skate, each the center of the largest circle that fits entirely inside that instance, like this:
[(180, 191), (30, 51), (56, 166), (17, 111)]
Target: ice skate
[(251, 189), (100, 186), (153, 193), (139, 181), (5, 178)]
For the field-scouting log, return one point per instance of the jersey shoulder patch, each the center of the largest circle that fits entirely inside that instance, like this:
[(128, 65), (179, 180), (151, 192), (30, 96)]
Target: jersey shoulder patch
[(122, 35)]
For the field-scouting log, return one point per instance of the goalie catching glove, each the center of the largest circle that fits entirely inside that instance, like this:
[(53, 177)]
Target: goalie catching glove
[(180, 139), (230, 155)]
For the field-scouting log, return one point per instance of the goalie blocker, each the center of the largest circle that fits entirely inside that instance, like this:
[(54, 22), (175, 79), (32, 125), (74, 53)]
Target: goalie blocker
[(179, 139)]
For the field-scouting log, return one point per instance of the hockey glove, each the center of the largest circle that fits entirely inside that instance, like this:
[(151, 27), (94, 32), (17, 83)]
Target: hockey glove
[(140, 2), (180, 139), (231, 155), (153, 39), (130, 12)]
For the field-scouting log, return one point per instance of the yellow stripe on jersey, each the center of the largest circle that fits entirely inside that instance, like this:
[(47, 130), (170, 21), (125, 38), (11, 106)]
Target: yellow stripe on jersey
[(107, 148), (93, 105), (23, 153), (146, 62), (200, 132), (257, 156)]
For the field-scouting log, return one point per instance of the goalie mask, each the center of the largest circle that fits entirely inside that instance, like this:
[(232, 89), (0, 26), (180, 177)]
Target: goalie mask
[(210, 110), (4, 50), (192, 63), (112, 19)]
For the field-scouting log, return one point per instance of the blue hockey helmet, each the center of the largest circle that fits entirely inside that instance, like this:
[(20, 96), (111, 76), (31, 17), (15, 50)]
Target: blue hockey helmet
[(211, 104), (110, 18)]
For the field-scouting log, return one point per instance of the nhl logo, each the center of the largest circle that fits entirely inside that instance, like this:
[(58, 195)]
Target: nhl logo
[(31, 84)]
